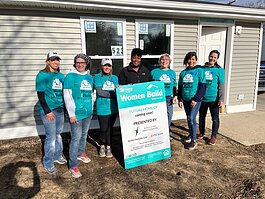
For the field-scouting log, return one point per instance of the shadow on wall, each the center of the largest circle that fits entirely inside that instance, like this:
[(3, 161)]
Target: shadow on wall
[(19, 180)]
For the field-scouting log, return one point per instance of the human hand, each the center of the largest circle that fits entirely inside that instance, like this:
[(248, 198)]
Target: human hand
[(220, 103), (180, 103), (175, 100), (193, 103), (73, 120), (50, 116)]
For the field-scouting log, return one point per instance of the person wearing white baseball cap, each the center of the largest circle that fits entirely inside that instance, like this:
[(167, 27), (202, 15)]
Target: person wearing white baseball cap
[(49, 87), (53, 56), (105, 84)]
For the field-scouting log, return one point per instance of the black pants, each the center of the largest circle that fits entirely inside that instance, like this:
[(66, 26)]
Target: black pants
[(106, 123), (214, 110)]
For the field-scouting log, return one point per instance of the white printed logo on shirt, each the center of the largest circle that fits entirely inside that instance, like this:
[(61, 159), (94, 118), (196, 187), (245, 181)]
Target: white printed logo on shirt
[(108, 86), (188, 78), (56, 84), (208, 75), (85, 85), (165, 78)]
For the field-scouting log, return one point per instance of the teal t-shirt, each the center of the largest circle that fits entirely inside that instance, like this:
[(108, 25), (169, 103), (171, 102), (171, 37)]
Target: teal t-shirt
[(106, 106), (82, 90), (189, 80), (214, 76), (168, 77), (52, 85)]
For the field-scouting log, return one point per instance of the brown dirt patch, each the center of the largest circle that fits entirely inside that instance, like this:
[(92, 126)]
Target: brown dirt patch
[(226, 170)]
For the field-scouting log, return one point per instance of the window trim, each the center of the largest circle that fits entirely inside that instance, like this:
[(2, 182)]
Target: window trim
[(169, 22), (83, 37)]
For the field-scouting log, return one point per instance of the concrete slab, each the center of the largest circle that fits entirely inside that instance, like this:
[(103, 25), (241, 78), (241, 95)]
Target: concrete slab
[(247, 128)]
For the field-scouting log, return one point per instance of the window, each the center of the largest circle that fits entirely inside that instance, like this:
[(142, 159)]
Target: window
[(154, 38), (104, 38)]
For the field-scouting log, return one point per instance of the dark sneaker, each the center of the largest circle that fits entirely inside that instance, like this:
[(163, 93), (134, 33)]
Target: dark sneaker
[(102, 152), (212, 140), (192, 145), (200, 136), (75, 172), (84, 158), (61, 160), (187, 139), (108, 153), (51, 170)]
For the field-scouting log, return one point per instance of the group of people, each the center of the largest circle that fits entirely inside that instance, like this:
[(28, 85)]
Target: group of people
[(198, 89)]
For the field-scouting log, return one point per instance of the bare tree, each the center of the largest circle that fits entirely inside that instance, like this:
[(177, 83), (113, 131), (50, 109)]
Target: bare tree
[(258, 4)]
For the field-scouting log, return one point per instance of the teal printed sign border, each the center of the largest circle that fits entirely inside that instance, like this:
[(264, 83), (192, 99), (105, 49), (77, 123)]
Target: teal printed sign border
[(147, 158)]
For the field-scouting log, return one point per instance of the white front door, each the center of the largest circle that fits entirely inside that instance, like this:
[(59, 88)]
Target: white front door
[(212, 38)]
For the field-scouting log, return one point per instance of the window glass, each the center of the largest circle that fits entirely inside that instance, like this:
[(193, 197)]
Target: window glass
[(154, 39), (103, 38), (150, 63)]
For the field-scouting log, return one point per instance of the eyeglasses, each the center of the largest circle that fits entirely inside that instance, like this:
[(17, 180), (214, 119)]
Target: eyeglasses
[(108, 65), (80, 63)]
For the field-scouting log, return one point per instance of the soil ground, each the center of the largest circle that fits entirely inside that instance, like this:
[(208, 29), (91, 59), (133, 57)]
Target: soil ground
[(226, 170)]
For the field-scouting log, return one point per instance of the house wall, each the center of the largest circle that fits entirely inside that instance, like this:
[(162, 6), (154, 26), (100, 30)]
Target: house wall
[(24, 43), (244, 66), (27, 36), (185, 40)]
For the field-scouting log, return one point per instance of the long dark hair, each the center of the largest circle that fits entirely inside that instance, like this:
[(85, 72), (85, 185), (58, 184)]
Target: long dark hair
[(188, 56)]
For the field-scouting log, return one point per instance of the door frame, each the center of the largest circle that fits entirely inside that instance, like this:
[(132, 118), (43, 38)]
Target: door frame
[(230, 25)]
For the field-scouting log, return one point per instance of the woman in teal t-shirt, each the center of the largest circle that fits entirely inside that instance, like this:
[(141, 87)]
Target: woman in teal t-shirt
[(191, 89), (168, 76), (49, 87), (105, 84), (214, 95), (78, 90)]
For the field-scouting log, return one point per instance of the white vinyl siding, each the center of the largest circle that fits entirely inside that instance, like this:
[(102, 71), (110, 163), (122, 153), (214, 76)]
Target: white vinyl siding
[(24, 44), (185, 40), (130, 38), (244, 64)]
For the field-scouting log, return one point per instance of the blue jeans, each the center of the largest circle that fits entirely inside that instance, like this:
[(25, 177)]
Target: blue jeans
[(191, 113), (214, 110), (77, 147), (169, 101), (53, 145)]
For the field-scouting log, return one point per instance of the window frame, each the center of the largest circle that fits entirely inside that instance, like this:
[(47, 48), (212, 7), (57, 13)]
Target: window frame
[(103, 19), (167, 22)]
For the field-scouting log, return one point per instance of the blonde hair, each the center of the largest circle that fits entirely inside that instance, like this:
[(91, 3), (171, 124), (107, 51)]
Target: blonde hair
[(162, 56)]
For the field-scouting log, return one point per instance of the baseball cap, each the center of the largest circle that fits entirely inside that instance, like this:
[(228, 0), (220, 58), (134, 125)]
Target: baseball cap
[(52, 55), (105, 61)]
